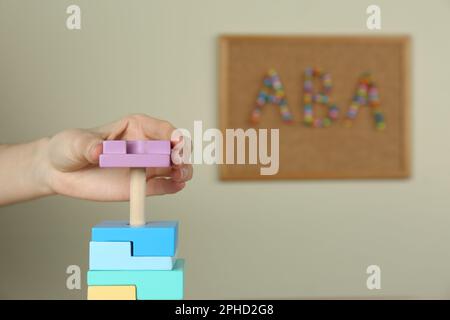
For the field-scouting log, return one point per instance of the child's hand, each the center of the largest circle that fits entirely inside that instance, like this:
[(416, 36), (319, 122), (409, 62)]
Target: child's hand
[(69, 163)]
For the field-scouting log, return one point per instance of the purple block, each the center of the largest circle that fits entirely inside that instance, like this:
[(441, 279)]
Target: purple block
[(115, 146), (135, 154), (134, 160), (148, 146)]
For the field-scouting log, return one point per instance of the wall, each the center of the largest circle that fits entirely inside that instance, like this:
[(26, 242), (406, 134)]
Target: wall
[(291, 239)]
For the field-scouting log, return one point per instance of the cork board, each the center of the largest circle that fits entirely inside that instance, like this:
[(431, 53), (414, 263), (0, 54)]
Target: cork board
[(336, 152)]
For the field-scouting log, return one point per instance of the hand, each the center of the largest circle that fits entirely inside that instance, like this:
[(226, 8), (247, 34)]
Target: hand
[(69, 165)]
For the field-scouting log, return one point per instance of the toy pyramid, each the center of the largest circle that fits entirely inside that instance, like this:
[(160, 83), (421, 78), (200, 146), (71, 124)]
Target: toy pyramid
[(135, 260)]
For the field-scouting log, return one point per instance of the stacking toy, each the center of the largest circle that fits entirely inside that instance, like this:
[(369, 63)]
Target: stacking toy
[(135, 260)]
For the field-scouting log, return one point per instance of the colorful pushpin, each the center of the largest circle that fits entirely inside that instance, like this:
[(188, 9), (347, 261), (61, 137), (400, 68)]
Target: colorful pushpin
[(272, 92), (322, 97), (366, 95)]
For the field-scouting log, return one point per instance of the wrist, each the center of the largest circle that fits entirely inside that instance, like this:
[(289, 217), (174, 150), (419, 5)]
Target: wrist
[(42, 171)]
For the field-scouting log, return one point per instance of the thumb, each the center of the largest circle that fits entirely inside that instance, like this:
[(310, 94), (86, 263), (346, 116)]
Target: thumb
[(74, 149), (87, 147)]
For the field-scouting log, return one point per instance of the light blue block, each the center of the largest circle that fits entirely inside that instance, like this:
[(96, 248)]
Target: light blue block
[(150, 284), (153, 239), (119, 256)]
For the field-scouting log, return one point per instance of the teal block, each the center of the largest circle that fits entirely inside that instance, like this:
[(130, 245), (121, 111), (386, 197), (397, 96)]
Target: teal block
[(119, 256), (150, 284), (158, 238)]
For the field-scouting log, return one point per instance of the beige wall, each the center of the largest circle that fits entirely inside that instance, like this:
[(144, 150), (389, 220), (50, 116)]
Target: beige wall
[(241, 240)]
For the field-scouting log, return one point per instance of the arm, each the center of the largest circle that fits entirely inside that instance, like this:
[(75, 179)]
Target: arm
[(67, 164), (22, 176)]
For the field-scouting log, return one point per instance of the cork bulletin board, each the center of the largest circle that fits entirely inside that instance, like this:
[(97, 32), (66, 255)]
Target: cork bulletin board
[(335, 152)]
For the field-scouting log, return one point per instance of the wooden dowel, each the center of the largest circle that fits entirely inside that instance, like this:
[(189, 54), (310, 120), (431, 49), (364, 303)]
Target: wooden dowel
[(138, 188)]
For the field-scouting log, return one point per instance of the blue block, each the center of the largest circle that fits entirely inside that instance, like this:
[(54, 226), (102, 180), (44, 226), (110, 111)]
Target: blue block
[(150, 284), (153, 239), (119, 256)]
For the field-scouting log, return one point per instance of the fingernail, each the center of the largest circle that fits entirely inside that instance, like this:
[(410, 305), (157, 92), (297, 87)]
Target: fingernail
[(184, 172), (181, 184), (94, 152)]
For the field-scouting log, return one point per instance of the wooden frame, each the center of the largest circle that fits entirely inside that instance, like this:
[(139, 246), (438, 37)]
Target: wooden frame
[(229, 46)]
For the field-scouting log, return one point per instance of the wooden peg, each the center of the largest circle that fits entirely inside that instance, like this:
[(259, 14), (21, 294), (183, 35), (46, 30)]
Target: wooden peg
[(138, 188)]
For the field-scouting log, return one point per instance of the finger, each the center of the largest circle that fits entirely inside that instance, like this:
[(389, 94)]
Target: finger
[(111, 130), (95, 184), (179, 139), (74, 149), (178, 173), (181, 152), (182, 173), (158, 172), (96, 152), (137, 127), (163, 186), (87, 147), (155, 128)]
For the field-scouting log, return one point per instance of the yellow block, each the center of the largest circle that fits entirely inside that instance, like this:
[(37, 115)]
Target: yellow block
[(111, 293)]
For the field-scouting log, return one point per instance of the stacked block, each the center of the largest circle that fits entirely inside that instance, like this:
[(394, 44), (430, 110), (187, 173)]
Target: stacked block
[(141, 257), (135, 154), (135, 262), (112, 292)]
